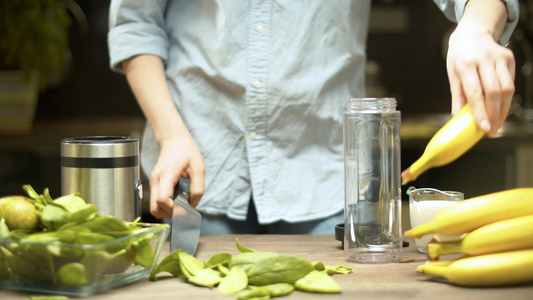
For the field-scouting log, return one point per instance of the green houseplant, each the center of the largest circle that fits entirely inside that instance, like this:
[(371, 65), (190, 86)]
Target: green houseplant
[(34, 49)]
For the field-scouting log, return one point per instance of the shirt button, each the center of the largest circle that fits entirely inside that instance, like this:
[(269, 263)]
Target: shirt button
[(260, 28), (256, 84), (252, 134)]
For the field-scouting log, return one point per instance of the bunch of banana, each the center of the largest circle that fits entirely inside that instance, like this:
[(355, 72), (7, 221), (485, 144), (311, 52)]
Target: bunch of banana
[(497, 240), (507, 235), (470, 214), (455, 138), (497, 269)]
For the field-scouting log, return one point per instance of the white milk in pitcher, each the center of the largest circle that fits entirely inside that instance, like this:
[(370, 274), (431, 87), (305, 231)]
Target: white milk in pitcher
[(422, 212)]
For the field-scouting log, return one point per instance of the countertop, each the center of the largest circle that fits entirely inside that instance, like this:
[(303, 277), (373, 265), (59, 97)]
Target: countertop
[(368, 281)]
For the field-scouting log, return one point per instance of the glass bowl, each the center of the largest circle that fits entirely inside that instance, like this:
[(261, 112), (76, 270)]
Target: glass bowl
[(80, 270)]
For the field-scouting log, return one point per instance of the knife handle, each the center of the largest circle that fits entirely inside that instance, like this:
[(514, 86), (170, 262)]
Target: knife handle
[(183, 188)]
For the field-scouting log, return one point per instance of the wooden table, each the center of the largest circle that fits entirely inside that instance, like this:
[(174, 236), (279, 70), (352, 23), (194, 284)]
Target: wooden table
[(369, 281)]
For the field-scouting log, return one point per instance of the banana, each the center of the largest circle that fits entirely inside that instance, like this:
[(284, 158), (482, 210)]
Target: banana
[(456, 137), (507, 235), (497, 269), (468, 215)]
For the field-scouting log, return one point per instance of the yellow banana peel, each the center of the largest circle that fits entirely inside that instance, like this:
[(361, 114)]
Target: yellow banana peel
[(455, 138)]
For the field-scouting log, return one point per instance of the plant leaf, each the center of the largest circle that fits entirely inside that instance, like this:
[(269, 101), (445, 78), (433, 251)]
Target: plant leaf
[(318, 282), (278, 269), (338, 270), (72, 274), (235, 281), (258, 293), (243, 249), (247, 259), (206, 277), (278, 289), (189, 264), (169, 264), (218, 259)]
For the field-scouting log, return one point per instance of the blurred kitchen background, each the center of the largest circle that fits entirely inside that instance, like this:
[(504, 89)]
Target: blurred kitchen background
[(406, 52)]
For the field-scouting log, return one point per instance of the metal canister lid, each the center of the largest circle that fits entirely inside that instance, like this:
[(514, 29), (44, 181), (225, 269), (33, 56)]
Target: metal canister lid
[(99, 152)]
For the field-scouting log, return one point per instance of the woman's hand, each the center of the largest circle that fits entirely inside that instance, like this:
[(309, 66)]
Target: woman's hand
[(179, 157), (481, 71)]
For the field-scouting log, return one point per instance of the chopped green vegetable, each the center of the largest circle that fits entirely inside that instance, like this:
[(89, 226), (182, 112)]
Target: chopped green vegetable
[(338, 270), (318, 282), (47, 298), (206, 277), (218, 259), (169, 264), (247, 259), (243, 249), (253, 274), (280, 268), (254, 294), (189, 264), (235, 281), (278, 289), (72, 274), (319, 266)]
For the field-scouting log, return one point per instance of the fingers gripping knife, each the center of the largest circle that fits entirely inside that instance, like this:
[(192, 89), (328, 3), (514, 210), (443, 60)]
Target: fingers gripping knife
[(186, 220)]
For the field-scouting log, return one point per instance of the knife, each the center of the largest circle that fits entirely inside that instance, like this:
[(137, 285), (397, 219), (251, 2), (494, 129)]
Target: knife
[(186, 220)]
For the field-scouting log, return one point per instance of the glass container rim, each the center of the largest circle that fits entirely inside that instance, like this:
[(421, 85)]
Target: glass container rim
[(371, 104)]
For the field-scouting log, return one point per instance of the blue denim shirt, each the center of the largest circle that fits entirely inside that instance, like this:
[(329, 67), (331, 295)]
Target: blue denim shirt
[(261, 86)]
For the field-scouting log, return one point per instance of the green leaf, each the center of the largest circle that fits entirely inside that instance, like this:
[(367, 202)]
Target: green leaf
[(53, 217), (243, 249), (25, 257), (206, 277), (235, 281), (91, 238), (71, 203), (278, 269), (318, 282), (259, 293), (31, 191), (109, 225), (5, 273), (338, 270), (247, 259), (319, 266), (19, 234), (72, 274), (168, 264), (24, 269), (145, 255), (223, 269), (47, 298), (52, 241), (85, 213), (278, 289), (96, 262), (218, 259), (4, 230), (46, 198), (189, 264), (102, 262)]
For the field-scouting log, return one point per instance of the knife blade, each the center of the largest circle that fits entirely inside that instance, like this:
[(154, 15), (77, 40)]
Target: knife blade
[(186, 220)]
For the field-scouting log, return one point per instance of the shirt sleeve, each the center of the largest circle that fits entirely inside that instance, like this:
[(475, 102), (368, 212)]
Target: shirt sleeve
[(454, 10), (136, 27)]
